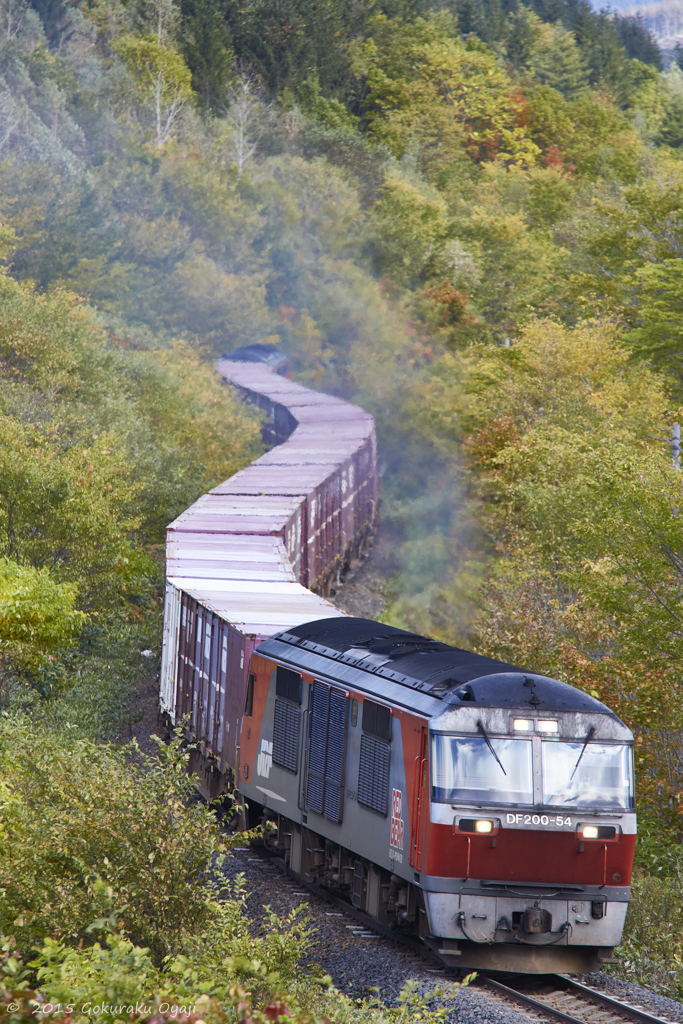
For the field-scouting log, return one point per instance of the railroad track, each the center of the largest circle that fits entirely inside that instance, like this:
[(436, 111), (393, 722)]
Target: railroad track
[(557, 998), (544, 998)]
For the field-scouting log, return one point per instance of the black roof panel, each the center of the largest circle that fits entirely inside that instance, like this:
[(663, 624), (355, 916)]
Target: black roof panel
[(451, 673), (409, 653)]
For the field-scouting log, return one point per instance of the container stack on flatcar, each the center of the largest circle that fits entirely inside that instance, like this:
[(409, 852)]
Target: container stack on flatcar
[(483, 807), (242, 562)]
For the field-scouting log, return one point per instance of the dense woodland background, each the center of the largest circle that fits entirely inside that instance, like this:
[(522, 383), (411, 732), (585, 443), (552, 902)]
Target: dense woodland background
[(464, 216)]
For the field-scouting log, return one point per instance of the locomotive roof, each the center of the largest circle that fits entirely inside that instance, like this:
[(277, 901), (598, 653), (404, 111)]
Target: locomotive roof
[(451, 674)]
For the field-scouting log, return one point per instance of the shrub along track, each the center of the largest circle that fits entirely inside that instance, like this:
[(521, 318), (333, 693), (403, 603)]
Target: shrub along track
[(364, 959)]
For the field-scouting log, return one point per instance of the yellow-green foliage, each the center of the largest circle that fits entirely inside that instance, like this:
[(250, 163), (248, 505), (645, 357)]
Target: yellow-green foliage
[(37, 615), (425, 84), (100, 447), (76, 816), (651, 953)]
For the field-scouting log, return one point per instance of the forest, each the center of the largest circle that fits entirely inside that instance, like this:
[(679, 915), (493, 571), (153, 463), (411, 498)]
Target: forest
[(463, 215)]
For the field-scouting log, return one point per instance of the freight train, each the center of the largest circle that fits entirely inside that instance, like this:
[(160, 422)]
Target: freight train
[(487, 809)]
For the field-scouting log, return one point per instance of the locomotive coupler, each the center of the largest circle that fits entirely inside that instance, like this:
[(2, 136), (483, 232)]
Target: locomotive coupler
[(536, 921)]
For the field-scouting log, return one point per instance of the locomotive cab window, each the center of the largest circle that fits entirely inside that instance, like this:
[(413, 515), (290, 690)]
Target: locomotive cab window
[(288, 685), (375, 757), (587, 774), (286, 719), (481, 769)]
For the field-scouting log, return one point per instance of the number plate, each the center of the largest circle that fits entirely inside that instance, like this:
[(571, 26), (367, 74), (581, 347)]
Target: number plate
[(534, 820)]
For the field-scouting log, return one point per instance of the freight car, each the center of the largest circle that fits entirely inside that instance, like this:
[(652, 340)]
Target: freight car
[(487, 809), (259, 552)]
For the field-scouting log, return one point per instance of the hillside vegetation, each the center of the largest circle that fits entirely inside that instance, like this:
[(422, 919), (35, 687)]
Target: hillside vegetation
[(463, 215)]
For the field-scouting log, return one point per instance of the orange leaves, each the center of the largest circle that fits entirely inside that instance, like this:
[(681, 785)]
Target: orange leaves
[(485, 445), (274, 1011), (451, 302)]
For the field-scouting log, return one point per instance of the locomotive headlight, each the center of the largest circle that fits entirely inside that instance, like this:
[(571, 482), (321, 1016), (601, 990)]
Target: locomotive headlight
[(483, 825), (522, 725), (602, 832), (547, 726)]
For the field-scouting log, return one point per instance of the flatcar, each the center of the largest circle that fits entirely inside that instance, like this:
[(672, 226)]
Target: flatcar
[(484, 808), (487, 809)]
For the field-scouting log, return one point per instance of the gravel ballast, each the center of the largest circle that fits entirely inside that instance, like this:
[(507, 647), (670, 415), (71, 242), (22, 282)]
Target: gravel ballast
[(629, 992)]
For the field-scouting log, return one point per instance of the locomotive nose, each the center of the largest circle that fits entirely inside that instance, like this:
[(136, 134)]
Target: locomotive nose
[(536, 921)]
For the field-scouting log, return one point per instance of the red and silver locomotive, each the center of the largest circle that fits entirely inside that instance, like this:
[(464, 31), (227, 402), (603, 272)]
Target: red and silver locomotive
[(488, 809)]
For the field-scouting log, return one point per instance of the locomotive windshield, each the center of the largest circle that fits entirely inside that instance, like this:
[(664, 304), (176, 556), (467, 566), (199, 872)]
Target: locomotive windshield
[(499, 770), (601, 777), (466, 768)]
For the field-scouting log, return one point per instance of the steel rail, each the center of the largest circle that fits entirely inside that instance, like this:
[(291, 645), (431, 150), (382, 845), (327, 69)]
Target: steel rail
[(528, 1002), (584, 992), (564, 984), (609, 1002)]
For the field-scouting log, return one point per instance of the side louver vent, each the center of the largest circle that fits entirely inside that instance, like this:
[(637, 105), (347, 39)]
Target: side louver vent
[(327, 751), (286, 735), (373, 774)]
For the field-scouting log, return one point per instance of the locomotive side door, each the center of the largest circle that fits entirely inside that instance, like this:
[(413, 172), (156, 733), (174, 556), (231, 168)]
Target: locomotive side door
[(327, 742), (420, 809)]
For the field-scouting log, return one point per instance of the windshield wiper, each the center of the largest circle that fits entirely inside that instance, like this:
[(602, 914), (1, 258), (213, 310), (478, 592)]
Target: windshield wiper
[(482, 730), (589, 737)]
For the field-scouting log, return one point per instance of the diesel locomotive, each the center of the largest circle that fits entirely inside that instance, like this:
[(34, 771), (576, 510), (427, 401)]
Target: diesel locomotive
[(487, 809)]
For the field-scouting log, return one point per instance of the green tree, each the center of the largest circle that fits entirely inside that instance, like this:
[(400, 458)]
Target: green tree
[(658, 335), (638, 42), (411, 224), (426, 87), (68, 508), (109, 822), (163, 77), (37, 615), (207, 49), (505, 227), (625, 230), (285, 41), (523, 37), (557, 61)]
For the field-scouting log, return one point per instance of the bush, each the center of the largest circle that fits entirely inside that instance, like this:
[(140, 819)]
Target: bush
[(651, 952), (76, 817), (117, 981)]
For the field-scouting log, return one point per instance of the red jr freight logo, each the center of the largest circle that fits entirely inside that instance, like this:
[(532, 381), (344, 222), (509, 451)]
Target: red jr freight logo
[(396, 819)]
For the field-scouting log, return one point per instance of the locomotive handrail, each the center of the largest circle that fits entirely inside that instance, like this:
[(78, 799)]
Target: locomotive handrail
[(604, 866), (301, 794), (414, 812), (420, 781)]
